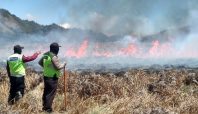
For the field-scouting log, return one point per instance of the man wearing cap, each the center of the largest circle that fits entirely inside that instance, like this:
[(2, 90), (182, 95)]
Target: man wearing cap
[(16, 72), (51, 72)]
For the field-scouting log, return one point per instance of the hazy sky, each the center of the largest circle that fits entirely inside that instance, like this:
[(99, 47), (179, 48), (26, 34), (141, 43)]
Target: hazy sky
[(107, 16)]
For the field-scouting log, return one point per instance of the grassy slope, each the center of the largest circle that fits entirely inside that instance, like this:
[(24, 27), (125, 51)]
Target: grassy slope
[(108, 93)]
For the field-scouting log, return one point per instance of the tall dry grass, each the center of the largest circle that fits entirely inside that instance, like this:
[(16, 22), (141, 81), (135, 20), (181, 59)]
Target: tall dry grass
[(134, 92)]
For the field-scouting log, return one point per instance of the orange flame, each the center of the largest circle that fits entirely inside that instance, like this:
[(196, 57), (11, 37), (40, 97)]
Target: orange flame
[(131, 49), (81, 52), (155, 48), (103, 54)]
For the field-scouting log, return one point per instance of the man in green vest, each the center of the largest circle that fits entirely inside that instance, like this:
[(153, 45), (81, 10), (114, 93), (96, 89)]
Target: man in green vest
[(51, 72), (16, 72)]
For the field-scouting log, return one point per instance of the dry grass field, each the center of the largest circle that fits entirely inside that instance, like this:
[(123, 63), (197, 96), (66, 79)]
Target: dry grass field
[(137, 91)]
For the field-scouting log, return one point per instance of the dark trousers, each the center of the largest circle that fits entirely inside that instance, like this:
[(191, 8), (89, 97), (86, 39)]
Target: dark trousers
[(50, 87), (17, 87)]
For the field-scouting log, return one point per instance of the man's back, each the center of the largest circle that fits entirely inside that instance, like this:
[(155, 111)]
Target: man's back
[(16, 65)]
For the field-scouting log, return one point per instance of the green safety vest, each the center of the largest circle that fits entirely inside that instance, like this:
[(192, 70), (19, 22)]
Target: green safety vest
[(16, 65), (48, 67)]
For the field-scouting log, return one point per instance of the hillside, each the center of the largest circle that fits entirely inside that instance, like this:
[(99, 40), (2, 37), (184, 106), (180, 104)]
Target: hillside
[(12, 27)]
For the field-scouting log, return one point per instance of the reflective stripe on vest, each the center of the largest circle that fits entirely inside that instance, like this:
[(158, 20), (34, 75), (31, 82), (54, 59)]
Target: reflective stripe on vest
[(48, 67), (16, 65)]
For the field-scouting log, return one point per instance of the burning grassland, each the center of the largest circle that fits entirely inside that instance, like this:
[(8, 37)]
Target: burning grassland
[(133, 91), (131, 46)]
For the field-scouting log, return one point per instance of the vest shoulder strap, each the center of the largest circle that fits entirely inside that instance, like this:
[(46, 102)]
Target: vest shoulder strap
[(15, 56)]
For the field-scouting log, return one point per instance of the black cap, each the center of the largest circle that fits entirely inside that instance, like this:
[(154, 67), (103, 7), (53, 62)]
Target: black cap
[(18, 47), (54, 45)]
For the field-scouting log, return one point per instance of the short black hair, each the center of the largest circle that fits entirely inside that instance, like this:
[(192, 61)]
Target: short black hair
[(18, 49), (54, 45), (54, 48)]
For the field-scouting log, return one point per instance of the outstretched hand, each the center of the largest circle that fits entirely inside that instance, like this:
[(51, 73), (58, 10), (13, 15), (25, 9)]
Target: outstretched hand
[(38, 52)]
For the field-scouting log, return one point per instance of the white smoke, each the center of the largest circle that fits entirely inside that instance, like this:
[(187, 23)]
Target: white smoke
[(171, 44)]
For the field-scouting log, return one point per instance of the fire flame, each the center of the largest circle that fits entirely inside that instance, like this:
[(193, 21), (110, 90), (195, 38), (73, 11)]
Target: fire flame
[(81, 52), (156, 49), (131, 49)]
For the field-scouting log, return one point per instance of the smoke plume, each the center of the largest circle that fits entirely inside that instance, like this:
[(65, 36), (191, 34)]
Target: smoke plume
[(107, 31)]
